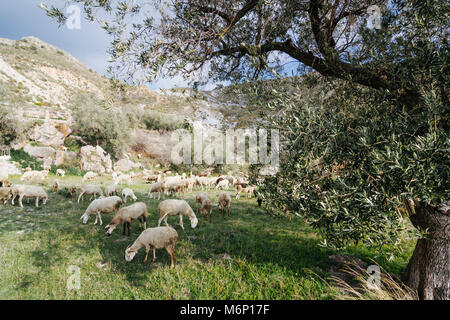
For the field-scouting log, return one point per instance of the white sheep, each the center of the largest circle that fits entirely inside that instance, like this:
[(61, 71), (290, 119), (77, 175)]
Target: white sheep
[(34, 176), (4, 178), (224, 202), (89, 176), (60, 172), (111, 190), (102, 205), (224, 184), (125, 215), (174, 207), (249, 190), (121, 178), (199, 199), (127, 192), (32, 192), (15, 190), (90, 189), (155, 238), (156, 187)]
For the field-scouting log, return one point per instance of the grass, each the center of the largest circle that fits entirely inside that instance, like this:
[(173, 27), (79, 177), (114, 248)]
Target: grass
[(269, 257)]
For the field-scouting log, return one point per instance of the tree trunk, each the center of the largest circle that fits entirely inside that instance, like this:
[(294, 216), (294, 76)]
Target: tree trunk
[(428, 270)]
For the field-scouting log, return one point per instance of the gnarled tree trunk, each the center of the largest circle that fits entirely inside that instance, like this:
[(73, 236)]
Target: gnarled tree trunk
[(428, 270)]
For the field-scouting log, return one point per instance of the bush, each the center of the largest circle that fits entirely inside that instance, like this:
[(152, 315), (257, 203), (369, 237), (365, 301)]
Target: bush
[(25, 159)]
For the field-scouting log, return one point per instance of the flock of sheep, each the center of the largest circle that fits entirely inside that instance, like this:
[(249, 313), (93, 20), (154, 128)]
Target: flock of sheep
[(110, 201)]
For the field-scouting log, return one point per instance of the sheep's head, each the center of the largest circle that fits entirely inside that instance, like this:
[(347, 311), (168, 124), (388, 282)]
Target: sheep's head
[(85, 218), (130, 253), (194, 222), (110, 228)]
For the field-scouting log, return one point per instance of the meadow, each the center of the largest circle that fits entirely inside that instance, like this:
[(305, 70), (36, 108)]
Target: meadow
[(250, 255)]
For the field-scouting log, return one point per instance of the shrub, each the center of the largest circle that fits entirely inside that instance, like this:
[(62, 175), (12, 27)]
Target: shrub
[(25, 159)]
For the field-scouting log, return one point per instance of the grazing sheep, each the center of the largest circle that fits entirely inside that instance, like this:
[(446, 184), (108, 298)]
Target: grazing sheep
[(125, 215), (90, 189), (102, 205), (156, 187), (174, 207), (175, 187), (15, 190), (89, 176), (32, 192), (73, 192), (127, 192), (155, 238), (111, 190), (249, 190), (4, 178), (199, 199), (206, 209), (203, 182), (60, 172), (34, 176), (224, 202), (121, 178), (5, 194), (223, 184), (55, 187)]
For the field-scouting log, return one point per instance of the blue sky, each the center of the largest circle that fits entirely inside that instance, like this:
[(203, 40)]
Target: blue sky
[(21, 18)]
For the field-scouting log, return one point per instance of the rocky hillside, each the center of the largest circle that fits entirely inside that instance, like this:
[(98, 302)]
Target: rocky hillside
[(40, 82)]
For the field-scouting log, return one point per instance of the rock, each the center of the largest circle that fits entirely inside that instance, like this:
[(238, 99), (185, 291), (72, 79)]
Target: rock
[(40, 153), (70, 155), (95, 159), (125, 165), (48, 134)]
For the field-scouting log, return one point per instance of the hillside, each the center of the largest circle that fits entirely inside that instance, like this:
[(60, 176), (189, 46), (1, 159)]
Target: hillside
[(41, 83)]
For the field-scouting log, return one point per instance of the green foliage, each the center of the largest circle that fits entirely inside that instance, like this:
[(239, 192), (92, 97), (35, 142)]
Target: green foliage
[(25, 159), (100, 124)]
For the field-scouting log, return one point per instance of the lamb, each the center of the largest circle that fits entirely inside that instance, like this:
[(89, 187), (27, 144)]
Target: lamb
[(55, 187), (60, 172), (90, 189), (156, 238), (206, 209), (199, 199), (224, 202), (102, 205), (156, 187), (174, 207), (111, 190), (6, 194), (72, 192), (224, 184), (127, 192), (249, 190), (137, 211), (32, 192), (89, 176)]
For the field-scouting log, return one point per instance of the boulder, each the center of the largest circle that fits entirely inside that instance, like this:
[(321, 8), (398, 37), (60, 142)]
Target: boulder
[(125, 165), (40, 153), (50, 134), (95, 159)]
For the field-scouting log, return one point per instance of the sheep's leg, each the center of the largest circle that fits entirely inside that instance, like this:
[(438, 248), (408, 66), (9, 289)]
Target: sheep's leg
[(181, 221), (96, 218), (171, 251), (37, 202), (147, 249), (229, 211), (145, 221), (210, 216), (20, 201), (12, 200), (154, 254), (129, 227), (80, 196), (100, 217)]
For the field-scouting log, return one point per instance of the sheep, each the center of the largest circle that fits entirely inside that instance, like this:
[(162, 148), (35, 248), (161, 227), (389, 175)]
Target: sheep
[(34, 176), (156, 187), (123, 178), (60, 172), (199, 199), (99, 206), (156, 238), (6, 194), (206, 209), (224, 202), (32, 192), (125, 215), (111, 190), (224, 184), (127, 192), (89, 176), (4, 178), (175, 187), (89, 189), (173, 207), (15, 190), (55, 187), (72, 192), (240, 188), (203, 181)]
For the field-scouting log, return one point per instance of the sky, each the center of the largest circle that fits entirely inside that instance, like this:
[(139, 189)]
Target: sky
[(89, 44)]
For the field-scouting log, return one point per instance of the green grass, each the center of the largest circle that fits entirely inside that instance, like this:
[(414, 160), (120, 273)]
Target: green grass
[(271, 258)]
